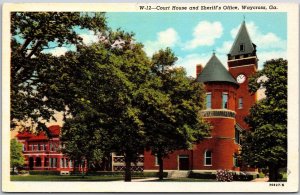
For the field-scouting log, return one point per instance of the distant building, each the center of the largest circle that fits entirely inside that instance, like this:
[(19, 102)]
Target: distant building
[(227, 103), (43, 153)]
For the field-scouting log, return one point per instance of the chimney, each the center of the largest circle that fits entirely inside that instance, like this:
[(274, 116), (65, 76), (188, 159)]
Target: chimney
[(199, 69)]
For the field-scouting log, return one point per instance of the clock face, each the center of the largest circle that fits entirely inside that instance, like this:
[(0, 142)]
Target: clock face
[(241, 78)]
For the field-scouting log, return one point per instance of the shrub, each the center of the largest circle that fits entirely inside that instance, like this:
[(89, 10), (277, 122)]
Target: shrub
[(202, 175), (224, 175), (35, 172), (243, 176), (261, 175), (23, 172)]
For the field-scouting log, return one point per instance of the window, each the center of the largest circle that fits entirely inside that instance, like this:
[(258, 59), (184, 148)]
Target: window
[(242, 47), (62, 163), (207, 158), (52, 147), (38, 162), (224, 100), (237, 136), (235, 161), (156, 160), (53, 162), (70, 164), (23, 147), (65, 162), (43, 147), (208, 100), (240, 103)]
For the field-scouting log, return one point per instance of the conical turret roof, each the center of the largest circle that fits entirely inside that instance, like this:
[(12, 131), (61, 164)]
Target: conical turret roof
[(214, 71), (242, 43)]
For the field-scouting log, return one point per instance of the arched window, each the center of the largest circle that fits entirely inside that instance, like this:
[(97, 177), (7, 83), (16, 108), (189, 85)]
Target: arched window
[(38, 162), (207, 158)]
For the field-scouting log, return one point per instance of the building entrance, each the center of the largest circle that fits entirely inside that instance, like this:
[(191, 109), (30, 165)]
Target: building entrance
[(184, 162)]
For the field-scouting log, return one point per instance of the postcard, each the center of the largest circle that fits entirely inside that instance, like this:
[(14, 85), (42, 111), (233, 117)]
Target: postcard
[(150, 97)]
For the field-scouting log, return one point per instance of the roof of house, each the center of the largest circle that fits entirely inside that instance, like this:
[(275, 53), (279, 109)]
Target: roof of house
[(244, 39), (214, 71), (54, 131)]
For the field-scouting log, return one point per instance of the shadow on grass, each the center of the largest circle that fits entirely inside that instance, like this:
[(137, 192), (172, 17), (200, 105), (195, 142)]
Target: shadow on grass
[(64, 178)]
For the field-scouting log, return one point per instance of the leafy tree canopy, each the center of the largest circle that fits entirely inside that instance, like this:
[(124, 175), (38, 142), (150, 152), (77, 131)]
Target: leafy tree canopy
[(36, 89), (16, 155), (265, 145), (171, 116)]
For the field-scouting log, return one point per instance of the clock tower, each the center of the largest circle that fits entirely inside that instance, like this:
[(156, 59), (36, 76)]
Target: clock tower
[(242, 63)]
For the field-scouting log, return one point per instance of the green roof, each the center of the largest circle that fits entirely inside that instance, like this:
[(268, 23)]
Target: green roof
[(242, 38), (214, 71)]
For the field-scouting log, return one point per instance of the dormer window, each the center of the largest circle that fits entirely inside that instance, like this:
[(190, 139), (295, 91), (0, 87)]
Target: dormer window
[(242, 47)]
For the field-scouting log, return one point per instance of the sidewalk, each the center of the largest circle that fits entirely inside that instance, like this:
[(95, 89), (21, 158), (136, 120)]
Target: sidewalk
[(265, 179), (139, 180), (145, 179)]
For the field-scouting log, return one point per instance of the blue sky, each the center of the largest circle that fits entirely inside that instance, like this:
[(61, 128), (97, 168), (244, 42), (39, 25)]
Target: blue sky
[(194, 35)]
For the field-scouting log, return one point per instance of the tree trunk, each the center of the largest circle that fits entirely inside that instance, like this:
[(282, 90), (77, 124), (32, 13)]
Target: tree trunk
[(127, 168), (81, 166), (161, 167), (273, 173)]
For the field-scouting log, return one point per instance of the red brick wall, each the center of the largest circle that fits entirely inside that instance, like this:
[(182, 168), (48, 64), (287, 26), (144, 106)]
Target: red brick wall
[(170, 162), (221, 143), (222, 127), (243, 91), (217, 89), (222, 154)]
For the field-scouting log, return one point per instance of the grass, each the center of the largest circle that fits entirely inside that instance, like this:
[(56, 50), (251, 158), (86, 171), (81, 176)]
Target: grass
[(183, 180), (103, 178), (284, 177), (66, 178)]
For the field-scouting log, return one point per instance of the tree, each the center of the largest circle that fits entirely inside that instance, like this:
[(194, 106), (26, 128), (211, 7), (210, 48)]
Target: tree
[(81, 139), (106, 79), (37, 88), (172, 109), (16, 154), (265, 145)]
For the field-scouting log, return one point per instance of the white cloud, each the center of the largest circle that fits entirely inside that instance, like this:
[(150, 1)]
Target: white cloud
[(205, 34), (189, 62), (167, 38), (268, 55), (225, 48), (58, 51), (263, 40), (89, 37)]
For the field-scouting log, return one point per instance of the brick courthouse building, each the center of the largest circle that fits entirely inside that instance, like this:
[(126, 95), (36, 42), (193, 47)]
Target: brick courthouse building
[(227, 103)]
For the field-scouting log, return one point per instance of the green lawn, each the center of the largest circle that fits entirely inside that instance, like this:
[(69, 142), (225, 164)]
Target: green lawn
[(96, 178), (64, 178), (183, 180)]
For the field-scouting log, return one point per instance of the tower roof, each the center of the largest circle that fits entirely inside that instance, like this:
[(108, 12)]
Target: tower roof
[(242, 43), (214, 71)]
